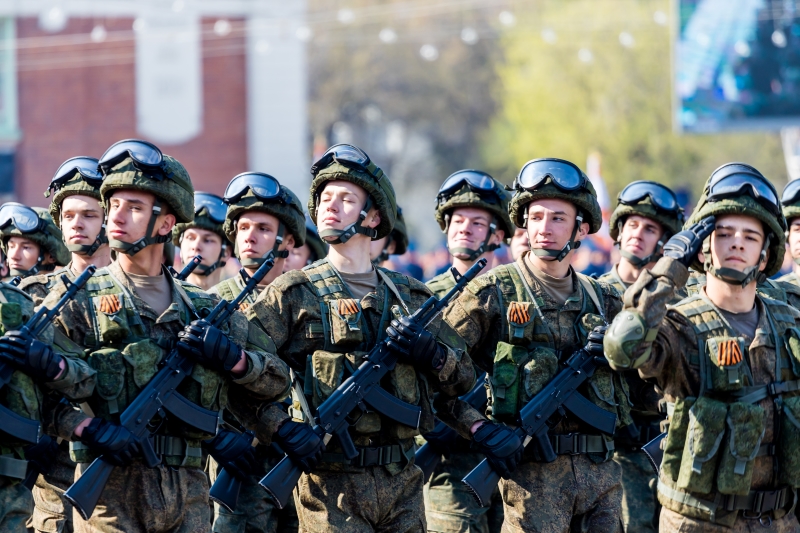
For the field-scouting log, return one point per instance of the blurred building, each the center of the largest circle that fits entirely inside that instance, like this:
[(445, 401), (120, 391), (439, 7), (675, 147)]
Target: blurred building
[(219, 84)]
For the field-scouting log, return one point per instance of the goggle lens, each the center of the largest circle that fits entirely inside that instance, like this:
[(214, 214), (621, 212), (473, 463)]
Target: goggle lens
[(213, 204), (21, 216), (661, 197), (142, 152), (263, 186), (563, 174)]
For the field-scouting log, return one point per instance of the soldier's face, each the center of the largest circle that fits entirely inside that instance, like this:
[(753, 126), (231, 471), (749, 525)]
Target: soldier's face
[(129, 213), (198, 241), (23, 253), (550, 225), (736, 242), (298, 258), (519, 243), (794, 237), (256, 233), (640, 235), (81, 219), (340, 204), (468, 228)]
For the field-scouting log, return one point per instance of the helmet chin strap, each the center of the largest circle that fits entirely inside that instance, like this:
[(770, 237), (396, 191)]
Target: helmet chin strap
[(485, 247), (641, 262), (572, 244), (89, 249), (740, 277), (344, 235), (35, 269), (132, 248), (255, 262)]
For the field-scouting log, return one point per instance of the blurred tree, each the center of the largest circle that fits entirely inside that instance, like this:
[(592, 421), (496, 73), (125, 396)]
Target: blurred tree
[(582, 75)]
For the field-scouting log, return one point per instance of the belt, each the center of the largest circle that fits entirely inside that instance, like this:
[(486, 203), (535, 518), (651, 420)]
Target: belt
[(756, 502), (162, 445), (372, 456), (579, 443), (12, 467)]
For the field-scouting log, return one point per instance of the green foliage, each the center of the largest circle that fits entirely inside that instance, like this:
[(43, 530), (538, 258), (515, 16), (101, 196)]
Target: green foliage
[(619, 103)]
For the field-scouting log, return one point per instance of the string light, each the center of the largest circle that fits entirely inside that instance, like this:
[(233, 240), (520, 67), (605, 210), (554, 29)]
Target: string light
[(387, 36), (429, 52)]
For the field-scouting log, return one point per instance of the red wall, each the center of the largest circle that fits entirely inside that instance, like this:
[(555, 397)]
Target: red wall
[(83, 109)]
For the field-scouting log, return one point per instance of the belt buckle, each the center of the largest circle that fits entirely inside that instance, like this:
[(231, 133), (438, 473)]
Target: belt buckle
[(574, 444)]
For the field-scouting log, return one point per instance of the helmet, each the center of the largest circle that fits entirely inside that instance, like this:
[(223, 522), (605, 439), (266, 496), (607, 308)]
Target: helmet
[(286, 207), (582, 196), (473, 188), (74, 183), (318, 247), (398, 236), (790, 200), (741, 202), (207, 209), (643, 204), (367, 176), (47, 236), (170, 183)]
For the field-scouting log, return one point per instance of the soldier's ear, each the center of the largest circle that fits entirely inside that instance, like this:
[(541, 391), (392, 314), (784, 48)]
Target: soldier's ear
[(374, 217)]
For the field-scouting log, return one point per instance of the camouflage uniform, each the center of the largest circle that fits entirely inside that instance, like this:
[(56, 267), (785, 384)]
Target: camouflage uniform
[(791, 210), (50, 240), (776, 289), (733, 424)]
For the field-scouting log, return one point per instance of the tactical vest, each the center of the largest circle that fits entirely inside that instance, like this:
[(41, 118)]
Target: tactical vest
[(347, 339), (770, 288), (230, 288), (527, 359), (441, 284), (612, 278), (714, 438), (126, 359)]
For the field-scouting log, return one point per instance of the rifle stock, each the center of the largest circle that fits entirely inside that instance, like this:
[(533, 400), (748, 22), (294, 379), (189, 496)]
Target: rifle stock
[(331, 417), (157, 396)]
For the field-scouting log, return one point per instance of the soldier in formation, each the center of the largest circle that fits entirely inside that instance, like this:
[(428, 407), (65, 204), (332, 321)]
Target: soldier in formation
[(204, 236)]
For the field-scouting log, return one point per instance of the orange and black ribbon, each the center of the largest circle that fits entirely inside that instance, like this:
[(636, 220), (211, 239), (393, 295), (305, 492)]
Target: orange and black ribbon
[(729, 353), (518, 313), (110, 304), (348, 306)]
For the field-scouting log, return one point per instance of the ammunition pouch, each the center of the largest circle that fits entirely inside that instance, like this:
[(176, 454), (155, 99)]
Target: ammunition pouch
[(788, 444), (703, 440)]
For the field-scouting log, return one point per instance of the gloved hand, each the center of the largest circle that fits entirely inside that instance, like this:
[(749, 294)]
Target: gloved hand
[(234, 452), (415, 344), (684, 246), (31, 356), (43, 454), (301, 444), (445, 440), (502, 447), (595, 341), (115, 443), (208, 346)]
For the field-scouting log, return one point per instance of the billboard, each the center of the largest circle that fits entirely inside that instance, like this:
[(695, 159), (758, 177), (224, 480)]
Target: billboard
[(736, 65)]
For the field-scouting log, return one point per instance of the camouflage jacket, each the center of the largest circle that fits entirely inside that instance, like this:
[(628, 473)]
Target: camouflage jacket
[(230, 288), (441, 284), (39, 286), (791, 277), (123, 339), (777, 289), (330, 333), (675, 353)]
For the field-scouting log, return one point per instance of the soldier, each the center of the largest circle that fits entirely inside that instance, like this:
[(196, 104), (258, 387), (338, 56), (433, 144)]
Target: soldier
[(31, 242), (396, 243), (646, 216), (204, 236), (519, 243), (519, 322), (324, 318), (312, 250), (472, 210), (75, 207), (125, 321), (727, 359), (262, 217), (790, 202)]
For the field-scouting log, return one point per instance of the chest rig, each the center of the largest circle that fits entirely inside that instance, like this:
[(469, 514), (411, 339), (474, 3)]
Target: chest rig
[(715, 438), (529, 357), (126, 357), (347, 337), (230, 288)]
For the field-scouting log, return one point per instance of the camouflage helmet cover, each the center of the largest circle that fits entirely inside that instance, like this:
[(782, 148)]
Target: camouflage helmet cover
[(399, 234), (50, 239), (585, 200), (75, 186), (670, 222), (466, 197), (289, 213), (202, 220)]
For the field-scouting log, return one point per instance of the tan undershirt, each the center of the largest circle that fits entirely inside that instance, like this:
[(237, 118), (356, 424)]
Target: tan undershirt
[(559, 289), (360, 284), (154, 290)]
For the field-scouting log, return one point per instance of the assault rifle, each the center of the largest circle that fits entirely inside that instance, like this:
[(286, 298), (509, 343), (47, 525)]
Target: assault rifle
[(17, 426), (557, 396), (654, 451), (427, 458), (160, 396), (360, 390), (193, 263), (226, 488)]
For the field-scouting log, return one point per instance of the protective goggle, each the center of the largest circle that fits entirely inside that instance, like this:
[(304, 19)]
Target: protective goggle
[(349, 156), (660, 196), (791, 193), (263, 186), (86, 167), (476, 180), (213, 204), (734, 180), (21, 217), (564, 175), (145, 156)]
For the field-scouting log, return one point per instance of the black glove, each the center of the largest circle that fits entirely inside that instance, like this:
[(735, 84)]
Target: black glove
[(42, 454), (445, 441), (31, 356), (115, 443), (234, 452), (301, 444), (502, 447), (595, 340), (683, 246), (209, 346), (415, 344)]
